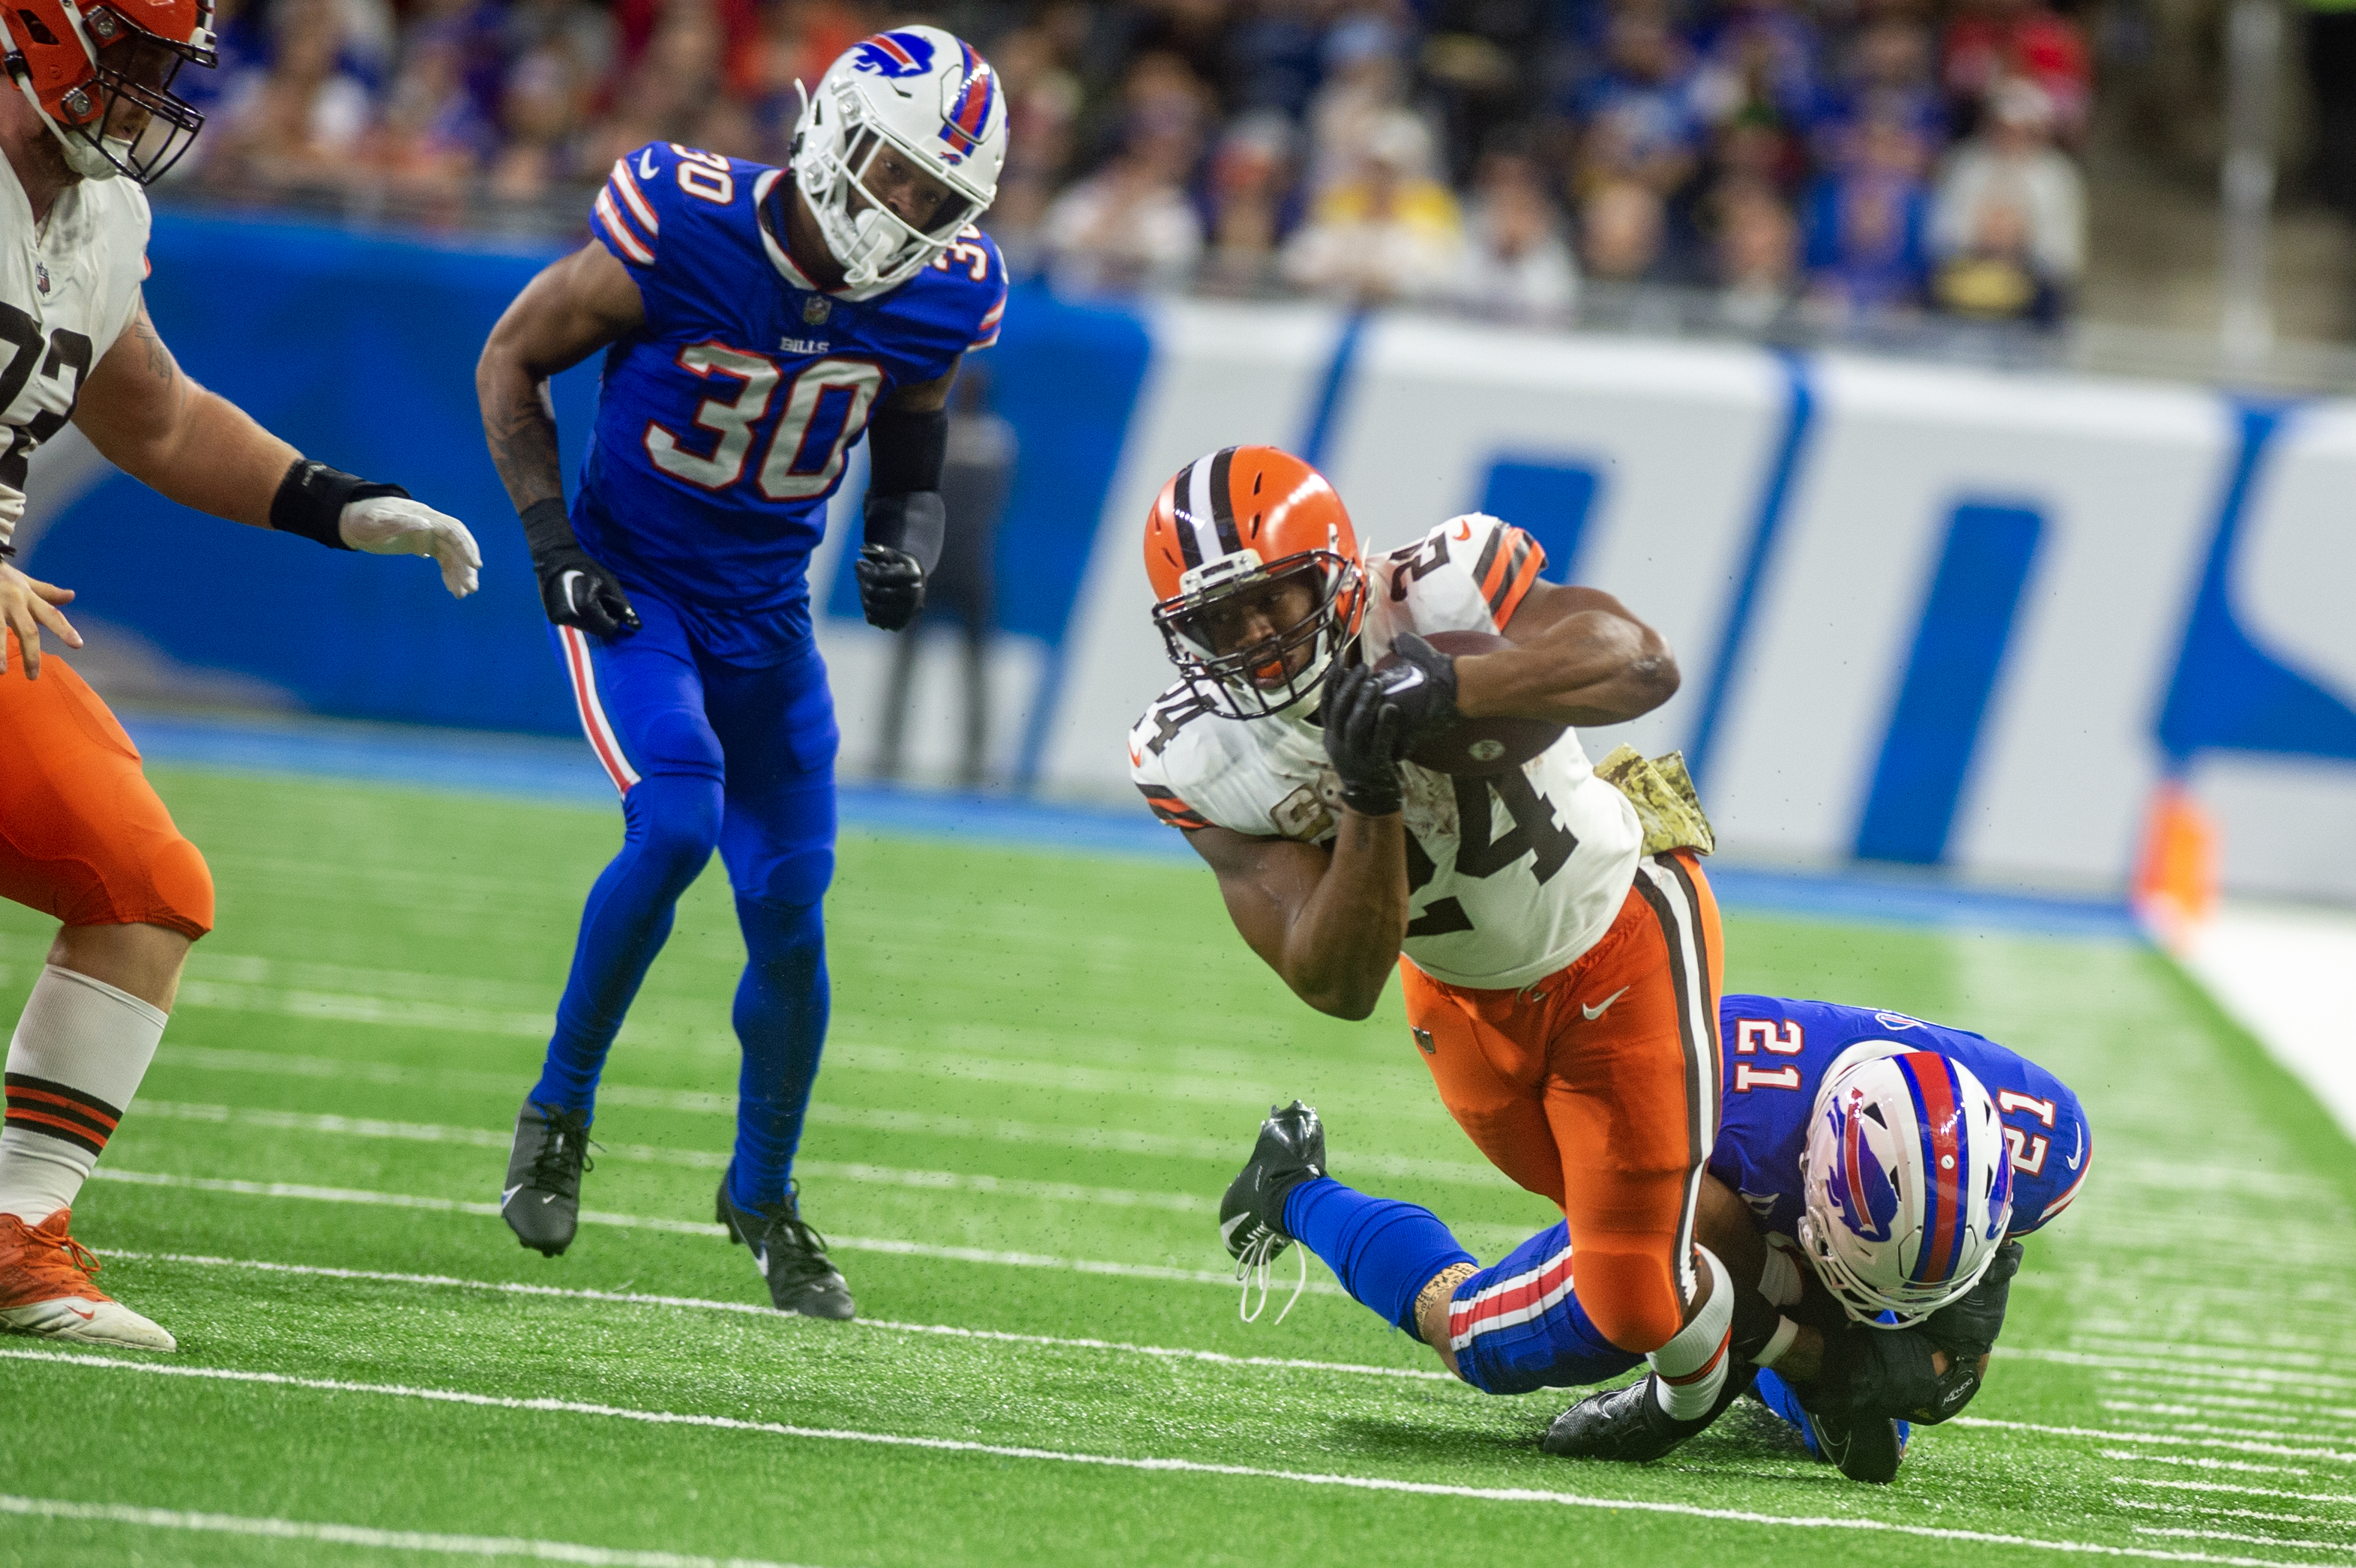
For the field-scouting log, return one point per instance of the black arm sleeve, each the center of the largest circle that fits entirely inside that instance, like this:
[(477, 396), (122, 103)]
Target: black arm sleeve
[(905, 451)]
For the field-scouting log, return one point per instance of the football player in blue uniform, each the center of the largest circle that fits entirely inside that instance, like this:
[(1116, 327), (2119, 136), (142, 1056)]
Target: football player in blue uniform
[(754, 322), (1872, 1177)]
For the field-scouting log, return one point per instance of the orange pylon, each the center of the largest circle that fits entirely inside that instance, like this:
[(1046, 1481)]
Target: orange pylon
[(2175, 875)]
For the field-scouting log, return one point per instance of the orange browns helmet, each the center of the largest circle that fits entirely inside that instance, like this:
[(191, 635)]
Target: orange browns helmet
[(77, 61), (1236, 523)]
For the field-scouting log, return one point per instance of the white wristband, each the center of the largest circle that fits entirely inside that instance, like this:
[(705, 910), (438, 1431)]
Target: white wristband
[(1777, 1343)]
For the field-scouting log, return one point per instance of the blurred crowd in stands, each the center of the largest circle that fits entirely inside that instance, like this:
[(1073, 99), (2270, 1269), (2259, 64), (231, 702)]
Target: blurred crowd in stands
[(1827, 160)]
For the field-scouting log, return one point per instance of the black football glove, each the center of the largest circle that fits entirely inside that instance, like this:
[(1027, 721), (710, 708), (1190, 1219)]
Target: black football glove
[(1422, 687), (1966, 1329), (891, 586), (1874, 1374), (573, 589), (1362, 738)]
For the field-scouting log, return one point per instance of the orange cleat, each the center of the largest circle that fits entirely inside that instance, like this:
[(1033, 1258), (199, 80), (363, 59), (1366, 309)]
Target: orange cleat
[(45, 1289)]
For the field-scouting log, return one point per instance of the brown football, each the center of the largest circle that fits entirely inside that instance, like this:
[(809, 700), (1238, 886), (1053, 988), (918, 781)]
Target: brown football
[(1473, 747)]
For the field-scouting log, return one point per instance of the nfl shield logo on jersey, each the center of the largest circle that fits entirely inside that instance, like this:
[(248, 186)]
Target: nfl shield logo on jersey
[(816, 308), (41, 276)]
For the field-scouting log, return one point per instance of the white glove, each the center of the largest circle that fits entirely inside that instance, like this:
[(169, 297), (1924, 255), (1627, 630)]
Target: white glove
[(393, 524)]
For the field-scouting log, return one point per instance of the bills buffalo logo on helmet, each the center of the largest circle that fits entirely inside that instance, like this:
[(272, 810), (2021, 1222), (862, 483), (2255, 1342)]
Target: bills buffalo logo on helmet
[(1860, 1190), (894, 55)]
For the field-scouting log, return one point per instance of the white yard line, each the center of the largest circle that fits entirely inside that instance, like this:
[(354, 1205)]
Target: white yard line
[(699, 1159), (2182, 1533), (2163, 1369), (639, 1298), (295, 1191), (2334, 1498), (2339, 1456), (1115, 1461), (2230, 1512), (365, 1535), (695, 1101)]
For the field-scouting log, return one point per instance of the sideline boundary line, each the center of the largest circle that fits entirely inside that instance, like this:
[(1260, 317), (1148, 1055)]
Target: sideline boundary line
[(752, 1309), (680, 1227), (367, 1535), (1124, 1462)]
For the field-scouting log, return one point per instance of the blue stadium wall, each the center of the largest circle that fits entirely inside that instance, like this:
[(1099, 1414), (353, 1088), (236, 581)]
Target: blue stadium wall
[(1925, 615)]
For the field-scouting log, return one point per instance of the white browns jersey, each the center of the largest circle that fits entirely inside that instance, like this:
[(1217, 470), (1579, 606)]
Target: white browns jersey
[(1511, 876), (68, 289)]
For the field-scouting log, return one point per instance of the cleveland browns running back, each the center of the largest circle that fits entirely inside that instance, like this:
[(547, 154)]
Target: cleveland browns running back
[(90, 120), (1562, 985)]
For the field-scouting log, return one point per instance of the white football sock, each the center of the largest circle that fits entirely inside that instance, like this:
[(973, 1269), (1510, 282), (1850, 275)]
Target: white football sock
[(1691, 1369), (80, 1052)]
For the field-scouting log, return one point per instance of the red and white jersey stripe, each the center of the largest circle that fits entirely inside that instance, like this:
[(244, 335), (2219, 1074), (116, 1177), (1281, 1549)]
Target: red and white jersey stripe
[(580, 671), (1527, 1296), (624, 215)]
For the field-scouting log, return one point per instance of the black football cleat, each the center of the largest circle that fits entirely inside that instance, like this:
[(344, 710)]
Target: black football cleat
[(542, 1199), (1291, 1150), (790, 1254), (1629, 1425), (1867, 1450)]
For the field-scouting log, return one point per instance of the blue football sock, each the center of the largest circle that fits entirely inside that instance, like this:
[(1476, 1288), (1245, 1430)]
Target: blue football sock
[(1384, 1252), (672, 824), (781, 1011)]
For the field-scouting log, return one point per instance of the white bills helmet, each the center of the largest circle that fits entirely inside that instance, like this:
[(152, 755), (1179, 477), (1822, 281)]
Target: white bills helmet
[(925, 103), (1907, 1183)]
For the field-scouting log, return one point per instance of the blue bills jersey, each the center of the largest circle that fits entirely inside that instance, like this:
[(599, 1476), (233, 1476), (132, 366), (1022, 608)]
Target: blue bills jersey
[(1779, 1052), (724, 423)]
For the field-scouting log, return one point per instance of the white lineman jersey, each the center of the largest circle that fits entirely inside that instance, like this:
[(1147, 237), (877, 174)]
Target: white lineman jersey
[(1511, 876), (67, 288)]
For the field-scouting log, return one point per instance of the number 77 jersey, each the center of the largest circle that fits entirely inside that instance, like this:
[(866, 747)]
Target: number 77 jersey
[(725, 422)]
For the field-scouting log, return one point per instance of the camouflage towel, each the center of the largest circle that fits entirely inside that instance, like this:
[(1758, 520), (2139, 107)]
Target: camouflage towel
[(1662, 794)]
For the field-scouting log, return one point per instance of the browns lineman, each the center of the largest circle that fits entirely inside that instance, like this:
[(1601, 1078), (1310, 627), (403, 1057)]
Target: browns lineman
[(90, 120), (1562, 986)]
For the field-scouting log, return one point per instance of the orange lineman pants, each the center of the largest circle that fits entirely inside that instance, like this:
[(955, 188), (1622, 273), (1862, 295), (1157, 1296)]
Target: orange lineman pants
[(82, 835), (1596, 1087)]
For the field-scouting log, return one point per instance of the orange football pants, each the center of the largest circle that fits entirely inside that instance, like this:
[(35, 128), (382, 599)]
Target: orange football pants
[(1596, 1087), (82, 835)]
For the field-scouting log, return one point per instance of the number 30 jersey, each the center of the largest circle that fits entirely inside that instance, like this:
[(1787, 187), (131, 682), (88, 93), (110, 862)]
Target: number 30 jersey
[(68, 289), (724, 423), (1511, 876)]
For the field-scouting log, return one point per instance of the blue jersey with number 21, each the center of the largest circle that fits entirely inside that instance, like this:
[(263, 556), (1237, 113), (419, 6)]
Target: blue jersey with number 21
[(1778, 1053), (724, 423)]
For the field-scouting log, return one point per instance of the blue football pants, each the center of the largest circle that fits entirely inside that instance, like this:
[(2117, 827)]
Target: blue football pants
[(707, 755)]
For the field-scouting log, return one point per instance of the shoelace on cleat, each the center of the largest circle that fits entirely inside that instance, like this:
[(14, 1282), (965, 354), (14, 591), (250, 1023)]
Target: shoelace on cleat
[(805, 1251), (1252, 1271), (62, 1261), (553, 1167)]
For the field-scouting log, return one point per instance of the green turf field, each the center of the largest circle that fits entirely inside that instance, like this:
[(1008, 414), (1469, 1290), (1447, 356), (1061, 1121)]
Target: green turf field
[(1043, 1071)]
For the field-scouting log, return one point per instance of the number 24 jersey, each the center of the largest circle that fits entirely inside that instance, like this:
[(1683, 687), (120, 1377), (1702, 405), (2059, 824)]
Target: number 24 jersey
[(1510, 877), (723, 424)]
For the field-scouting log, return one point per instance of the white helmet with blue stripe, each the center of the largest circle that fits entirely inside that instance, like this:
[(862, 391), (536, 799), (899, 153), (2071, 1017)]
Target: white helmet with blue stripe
[(914, 110), (1907, 1185)]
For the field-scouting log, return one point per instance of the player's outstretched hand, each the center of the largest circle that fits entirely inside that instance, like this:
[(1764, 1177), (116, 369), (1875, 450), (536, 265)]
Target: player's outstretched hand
[(396, 525), (28, 604), (891, 586), (1422, 687), (1364, 741)]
